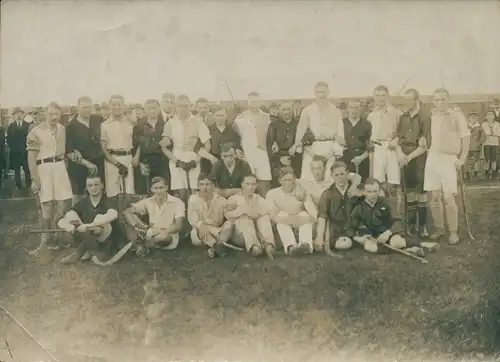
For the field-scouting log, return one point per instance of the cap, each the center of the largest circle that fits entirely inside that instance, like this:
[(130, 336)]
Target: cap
[(273, 105), (17, 110), (104, 105)]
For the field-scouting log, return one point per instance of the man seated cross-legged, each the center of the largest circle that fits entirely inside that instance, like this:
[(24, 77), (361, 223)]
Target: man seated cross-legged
[(166, 214), (251, 216), (373, 223), (90, 221), (290, 205), (206, 217)]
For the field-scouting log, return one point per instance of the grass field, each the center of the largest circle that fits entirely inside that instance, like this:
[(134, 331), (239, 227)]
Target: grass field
[(363, 307)]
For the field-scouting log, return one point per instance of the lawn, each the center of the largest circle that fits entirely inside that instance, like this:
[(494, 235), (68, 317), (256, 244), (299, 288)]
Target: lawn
[(363, 307)]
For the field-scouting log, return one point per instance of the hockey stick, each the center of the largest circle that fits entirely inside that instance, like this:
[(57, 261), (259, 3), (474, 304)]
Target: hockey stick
[(464, 206), (388, 246), (405, 199)]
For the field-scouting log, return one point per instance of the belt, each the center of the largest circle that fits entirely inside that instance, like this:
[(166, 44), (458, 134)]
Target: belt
[(120, 152), (327, 140), (50, 160)]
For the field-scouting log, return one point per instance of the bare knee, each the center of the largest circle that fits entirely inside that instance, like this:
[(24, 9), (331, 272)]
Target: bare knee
[(449, 199), (436, 197)]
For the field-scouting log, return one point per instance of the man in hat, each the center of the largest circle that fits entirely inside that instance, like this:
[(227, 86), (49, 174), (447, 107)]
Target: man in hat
[(477, 138), (252, 126), (448, 142), (83, 135), (324, 121), (120, 150), (46, 146), (17, 133)]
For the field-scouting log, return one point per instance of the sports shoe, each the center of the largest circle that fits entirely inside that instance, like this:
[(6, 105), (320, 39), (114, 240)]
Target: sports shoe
[(454, 239), (430, 246), (269, 250), (219, 249), (415, 250)]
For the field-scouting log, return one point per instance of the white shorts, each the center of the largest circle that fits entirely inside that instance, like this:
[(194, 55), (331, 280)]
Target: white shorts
[(259, 163), (440, 173), (54, 182), (318, 148), (113, 179), (178, 180), (385, 165)]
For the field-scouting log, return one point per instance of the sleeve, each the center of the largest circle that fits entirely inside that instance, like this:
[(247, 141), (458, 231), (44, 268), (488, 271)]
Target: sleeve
[(136, 136), (246, 170), (33, 141), (167, 130), (324, 202), (271, 137), (481, 136), (69, 140), (180, 210), (193, 215), (78, 208), (463, 129), (140, 207), (270, 202), (302, 126), (203, 132), (237, 141)]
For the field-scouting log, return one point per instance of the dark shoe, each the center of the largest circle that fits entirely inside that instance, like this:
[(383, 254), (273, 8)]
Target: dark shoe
[(219, 249)]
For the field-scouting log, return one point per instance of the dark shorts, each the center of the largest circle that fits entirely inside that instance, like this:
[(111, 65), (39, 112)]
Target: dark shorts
[(490, 153), (158, 167), (474, 155), (78, 175), (364, 167), (413, 173)]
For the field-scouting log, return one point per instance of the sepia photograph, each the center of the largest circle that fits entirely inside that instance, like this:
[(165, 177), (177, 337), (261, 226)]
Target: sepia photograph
[(246, 181)]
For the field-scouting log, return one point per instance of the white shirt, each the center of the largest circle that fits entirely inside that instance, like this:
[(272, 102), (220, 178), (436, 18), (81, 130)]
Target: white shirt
[(185, 134), (438, 121), (161, 216), (292, 203), (48, 143), (323, 122), (118, 135), (384, 122)]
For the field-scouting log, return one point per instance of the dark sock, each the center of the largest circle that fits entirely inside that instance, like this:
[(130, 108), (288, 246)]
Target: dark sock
[(422, 214), (412, 213)]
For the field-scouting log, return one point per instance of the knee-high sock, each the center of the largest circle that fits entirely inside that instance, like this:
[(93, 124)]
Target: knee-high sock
[(436, 209), (451, 215), (422, 214), (412, 213)]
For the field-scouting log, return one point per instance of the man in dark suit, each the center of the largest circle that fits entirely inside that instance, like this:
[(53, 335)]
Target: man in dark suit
[(17, 133)]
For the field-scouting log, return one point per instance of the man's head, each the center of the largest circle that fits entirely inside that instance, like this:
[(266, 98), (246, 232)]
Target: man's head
[(17, 114), (159, 186), (152, 108), (297, 106), (339, 173), (441, 99), (206, 184), (411, 99), (496, 104), (73, 110), (254, 101), (353, 108), (321, 91), (53, 113), (371, 190), (138, 111), (274, 109), (249, 185), (286, 111), (94, 186), (117, 104), (343, 109), (287, 178), (167, 102), (473, 118), (182, 106), (490, 116), (84, 105), (381, 95), (228, 154), (105, 110), (203, 107), (318, 165), (220, 116)]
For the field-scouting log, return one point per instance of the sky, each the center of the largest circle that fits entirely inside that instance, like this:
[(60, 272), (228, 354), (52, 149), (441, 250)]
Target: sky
[(60, 50)]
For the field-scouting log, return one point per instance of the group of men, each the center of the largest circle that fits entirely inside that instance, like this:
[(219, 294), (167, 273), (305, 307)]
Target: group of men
[(313, 178)]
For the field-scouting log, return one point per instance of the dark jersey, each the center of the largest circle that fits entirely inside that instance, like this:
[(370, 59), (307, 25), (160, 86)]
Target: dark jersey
[(87, 212), (225, 180)]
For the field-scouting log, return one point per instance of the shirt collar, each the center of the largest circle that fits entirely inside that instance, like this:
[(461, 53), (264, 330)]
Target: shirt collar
[(414, 111)]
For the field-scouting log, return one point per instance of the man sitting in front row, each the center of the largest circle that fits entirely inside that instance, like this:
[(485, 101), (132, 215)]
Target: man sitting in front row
[(372, 222), (90, 221), (251, 216), (166, 214), (206, 217), (290, 204)]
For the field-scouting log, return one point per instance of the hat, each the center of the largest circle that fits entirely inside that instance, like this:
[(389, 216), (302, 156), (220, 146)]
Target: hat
[(73, 109), (17, 110), (104, 105)]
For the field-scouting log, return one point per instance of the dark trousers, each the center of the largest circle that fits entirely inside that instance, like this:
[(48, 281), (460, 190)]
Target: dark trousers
[(78, 175), (21, 160), (275, 161), (158, 167), (364, 167)]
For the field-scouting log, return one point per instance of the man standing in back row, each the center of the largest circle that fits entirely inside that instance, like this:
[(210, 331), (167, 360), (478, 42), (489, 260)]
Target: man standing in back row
[(324, 121)]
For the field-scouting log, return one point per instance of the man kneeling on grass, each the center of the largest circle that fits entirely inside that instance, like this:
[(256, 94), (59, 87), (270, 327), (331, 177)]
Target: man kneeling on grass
[(90, 221), (290, 213), (372, 222), (334, 209), (251, 216), (206, 217), (166, 215)]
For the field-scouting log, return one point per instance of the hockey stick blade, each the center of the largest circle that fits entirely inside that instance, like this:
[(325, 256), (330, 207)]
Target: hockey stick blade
[(114, 258)]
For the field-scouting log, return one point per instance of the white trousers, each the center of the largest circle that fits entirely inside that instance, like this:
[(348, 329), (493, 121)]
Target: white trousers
[(178, 177), (114, 180), (259, 163), (321, 148), (440, 173), (385, 165), (287, 236), (249, 233)]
